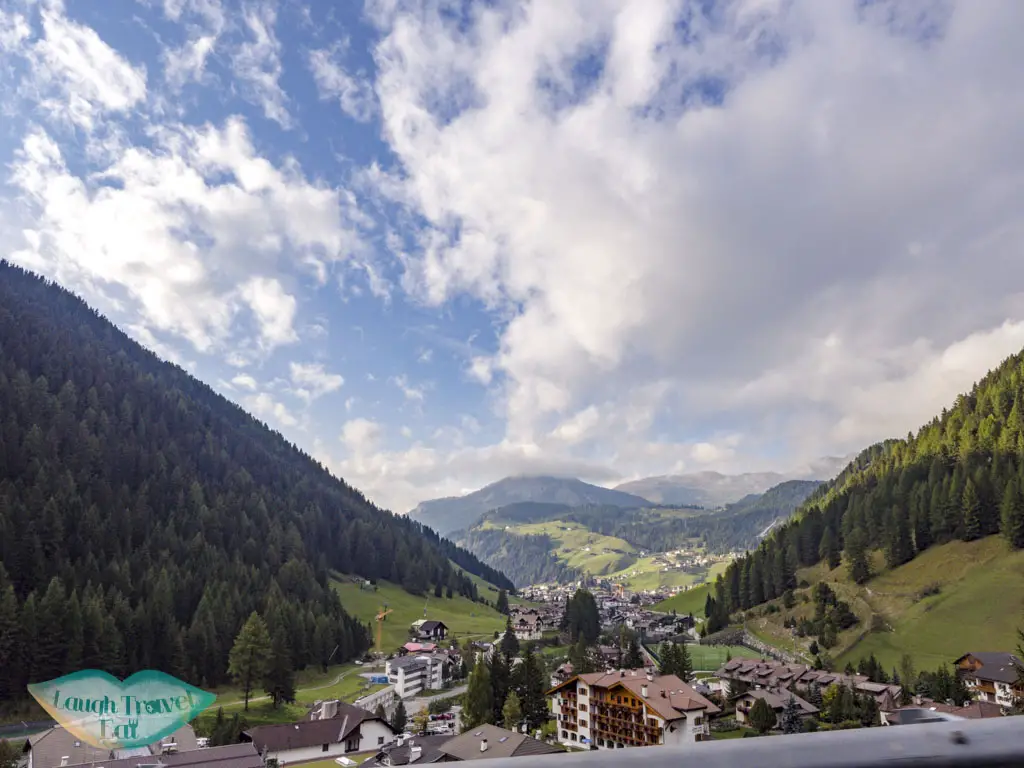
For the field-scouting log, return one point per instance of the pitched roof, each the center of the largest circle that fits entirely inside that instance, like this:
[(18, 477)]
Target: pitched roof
[(430, 626), (230, 756), (310, 732), (50, 746), (667, 695), (398, 754), (500, 743), (779, 700), (997, 666)]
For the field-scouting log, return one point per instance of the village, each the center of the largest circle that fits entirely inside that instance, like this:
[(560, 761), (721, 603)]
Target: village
[(614, 674)]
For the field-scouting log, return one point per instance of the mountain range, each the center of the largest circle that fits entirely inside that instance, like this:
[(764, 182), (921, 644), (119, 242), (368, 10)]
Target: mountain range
[(457, 512), (700, 489)]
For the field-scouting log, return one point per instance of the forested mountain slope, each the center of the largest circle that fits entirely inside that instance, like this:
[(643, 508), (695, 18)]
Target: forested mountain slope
[(143, 517), (960, 477)]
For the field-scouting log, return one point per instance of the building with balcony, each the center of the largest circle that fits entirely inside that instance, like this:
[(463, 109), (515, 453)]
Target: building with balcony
[(629, 708), (992, 676), (411, 675)]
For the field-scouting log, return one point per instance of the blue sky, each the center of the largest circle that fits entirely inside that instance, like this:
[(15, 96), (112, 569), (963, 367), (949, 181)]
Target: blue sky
[(436, 243)]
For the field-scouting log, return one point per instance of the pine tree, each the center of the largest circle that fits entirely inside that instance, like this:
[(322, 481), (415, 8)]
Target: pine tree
[(684, 665), (400, 718), (1012, 510), (279, 680), (530, 687), (509, 641), (247, 662), (856, 553), (380, 712), (899, 547), (762, 717), (479, 706), (971, 508), (634, 659), (512, 712), (790, 721), (9, 646), (502, 604)]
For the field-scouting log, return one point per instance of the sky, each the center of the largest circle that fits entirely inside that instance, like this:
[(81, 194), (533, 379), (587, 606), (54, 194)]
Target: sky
[(438, 242)]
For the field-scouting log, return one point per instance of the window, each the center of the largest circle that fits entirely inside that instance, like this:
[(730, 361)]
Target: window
[(565, 734), (380, 740), (324, 747), (583, 691), (583, 723), (572, 736), (583, 707)]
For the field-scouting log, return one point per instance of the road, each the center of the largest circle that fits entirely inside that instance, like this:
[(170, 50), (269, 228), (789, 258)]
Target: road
[(414, 706), (335, 681)]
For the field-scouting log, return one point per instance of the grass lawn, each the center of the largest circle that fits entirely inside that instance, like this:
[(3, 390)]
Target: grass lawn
[(691, 601), (737, 734), (645, 574), (711, 657), (581, 548), (464, 618)]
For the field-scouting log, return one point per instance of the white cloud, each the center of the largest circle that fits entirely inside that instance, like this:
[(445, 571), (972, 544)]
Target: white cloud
[(80, 76), (257, 63), (765, 229), (190, 230), (14, 30), (360, 435), (274, 310), (205, 25), (354, 93), (312, 381), (411, 392), (245, 381), (275, 413)]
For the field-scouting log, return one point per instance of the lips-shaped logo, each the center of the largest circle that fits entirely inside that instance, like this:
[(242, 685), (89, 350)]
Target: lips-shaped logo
[(107, 713)]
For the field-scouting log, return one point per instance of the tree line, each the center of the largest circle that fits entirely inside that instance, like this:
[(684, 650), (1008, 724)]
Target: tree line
[(138, 504), (961, 477)]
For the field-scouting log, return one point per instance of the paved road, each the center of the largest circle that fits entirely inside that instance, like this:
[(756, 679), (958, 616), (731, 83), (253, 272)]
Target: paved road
[(413, 706)]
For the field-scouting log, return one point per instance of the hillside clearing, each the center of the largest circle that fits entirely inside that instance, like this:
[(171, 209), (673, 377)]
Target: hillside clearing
[(690, 601), (464, 618), (979, 605)]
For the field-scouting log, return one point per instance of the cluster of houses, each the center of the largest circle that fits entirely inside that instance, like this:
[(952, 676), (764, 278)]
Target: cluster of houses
[(990, 676)]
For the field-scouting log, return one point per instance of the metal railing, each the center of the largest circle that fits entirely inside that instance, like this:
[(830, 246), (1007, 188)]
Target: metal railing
[(992, 743)]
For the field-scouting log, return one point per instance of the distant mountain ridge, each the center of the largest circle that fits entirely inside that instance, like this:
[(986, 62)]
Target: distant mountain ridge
[(714, 489), (457, 512)]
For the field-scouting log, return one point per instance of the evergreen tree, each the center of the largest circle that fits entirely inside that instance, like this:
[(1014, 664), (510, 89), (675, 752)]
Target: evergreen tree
[(501, 682), (502, 604), (399, 718), (762, 717), (1012, 510), (509, 641), (972, 527), (9, 644), (247, 663), (279, 680), (529, 684), (380, 712), (633, 659), (856, 554), (479, 705), (899, 547), (814, 695), (684, 665), (511, 712), (791, 721)]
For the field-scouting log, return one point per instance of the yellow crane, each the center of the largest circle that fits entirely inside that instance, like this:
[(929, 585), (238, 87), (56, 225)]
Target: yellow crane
[(384, 611)]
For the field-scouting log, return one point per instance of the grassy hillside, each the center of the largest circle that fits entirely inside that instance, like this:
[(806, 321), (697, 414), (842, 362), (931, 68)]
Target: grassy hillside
[(489, 592), (691, 601), (979, 605), (463, 617), (581, 548)]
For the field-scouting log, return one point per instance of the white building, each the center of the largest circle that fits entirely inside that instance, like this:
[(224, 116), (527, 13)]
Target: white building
[(412, 674), (629, 708), (385, 697), (334, 728)]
